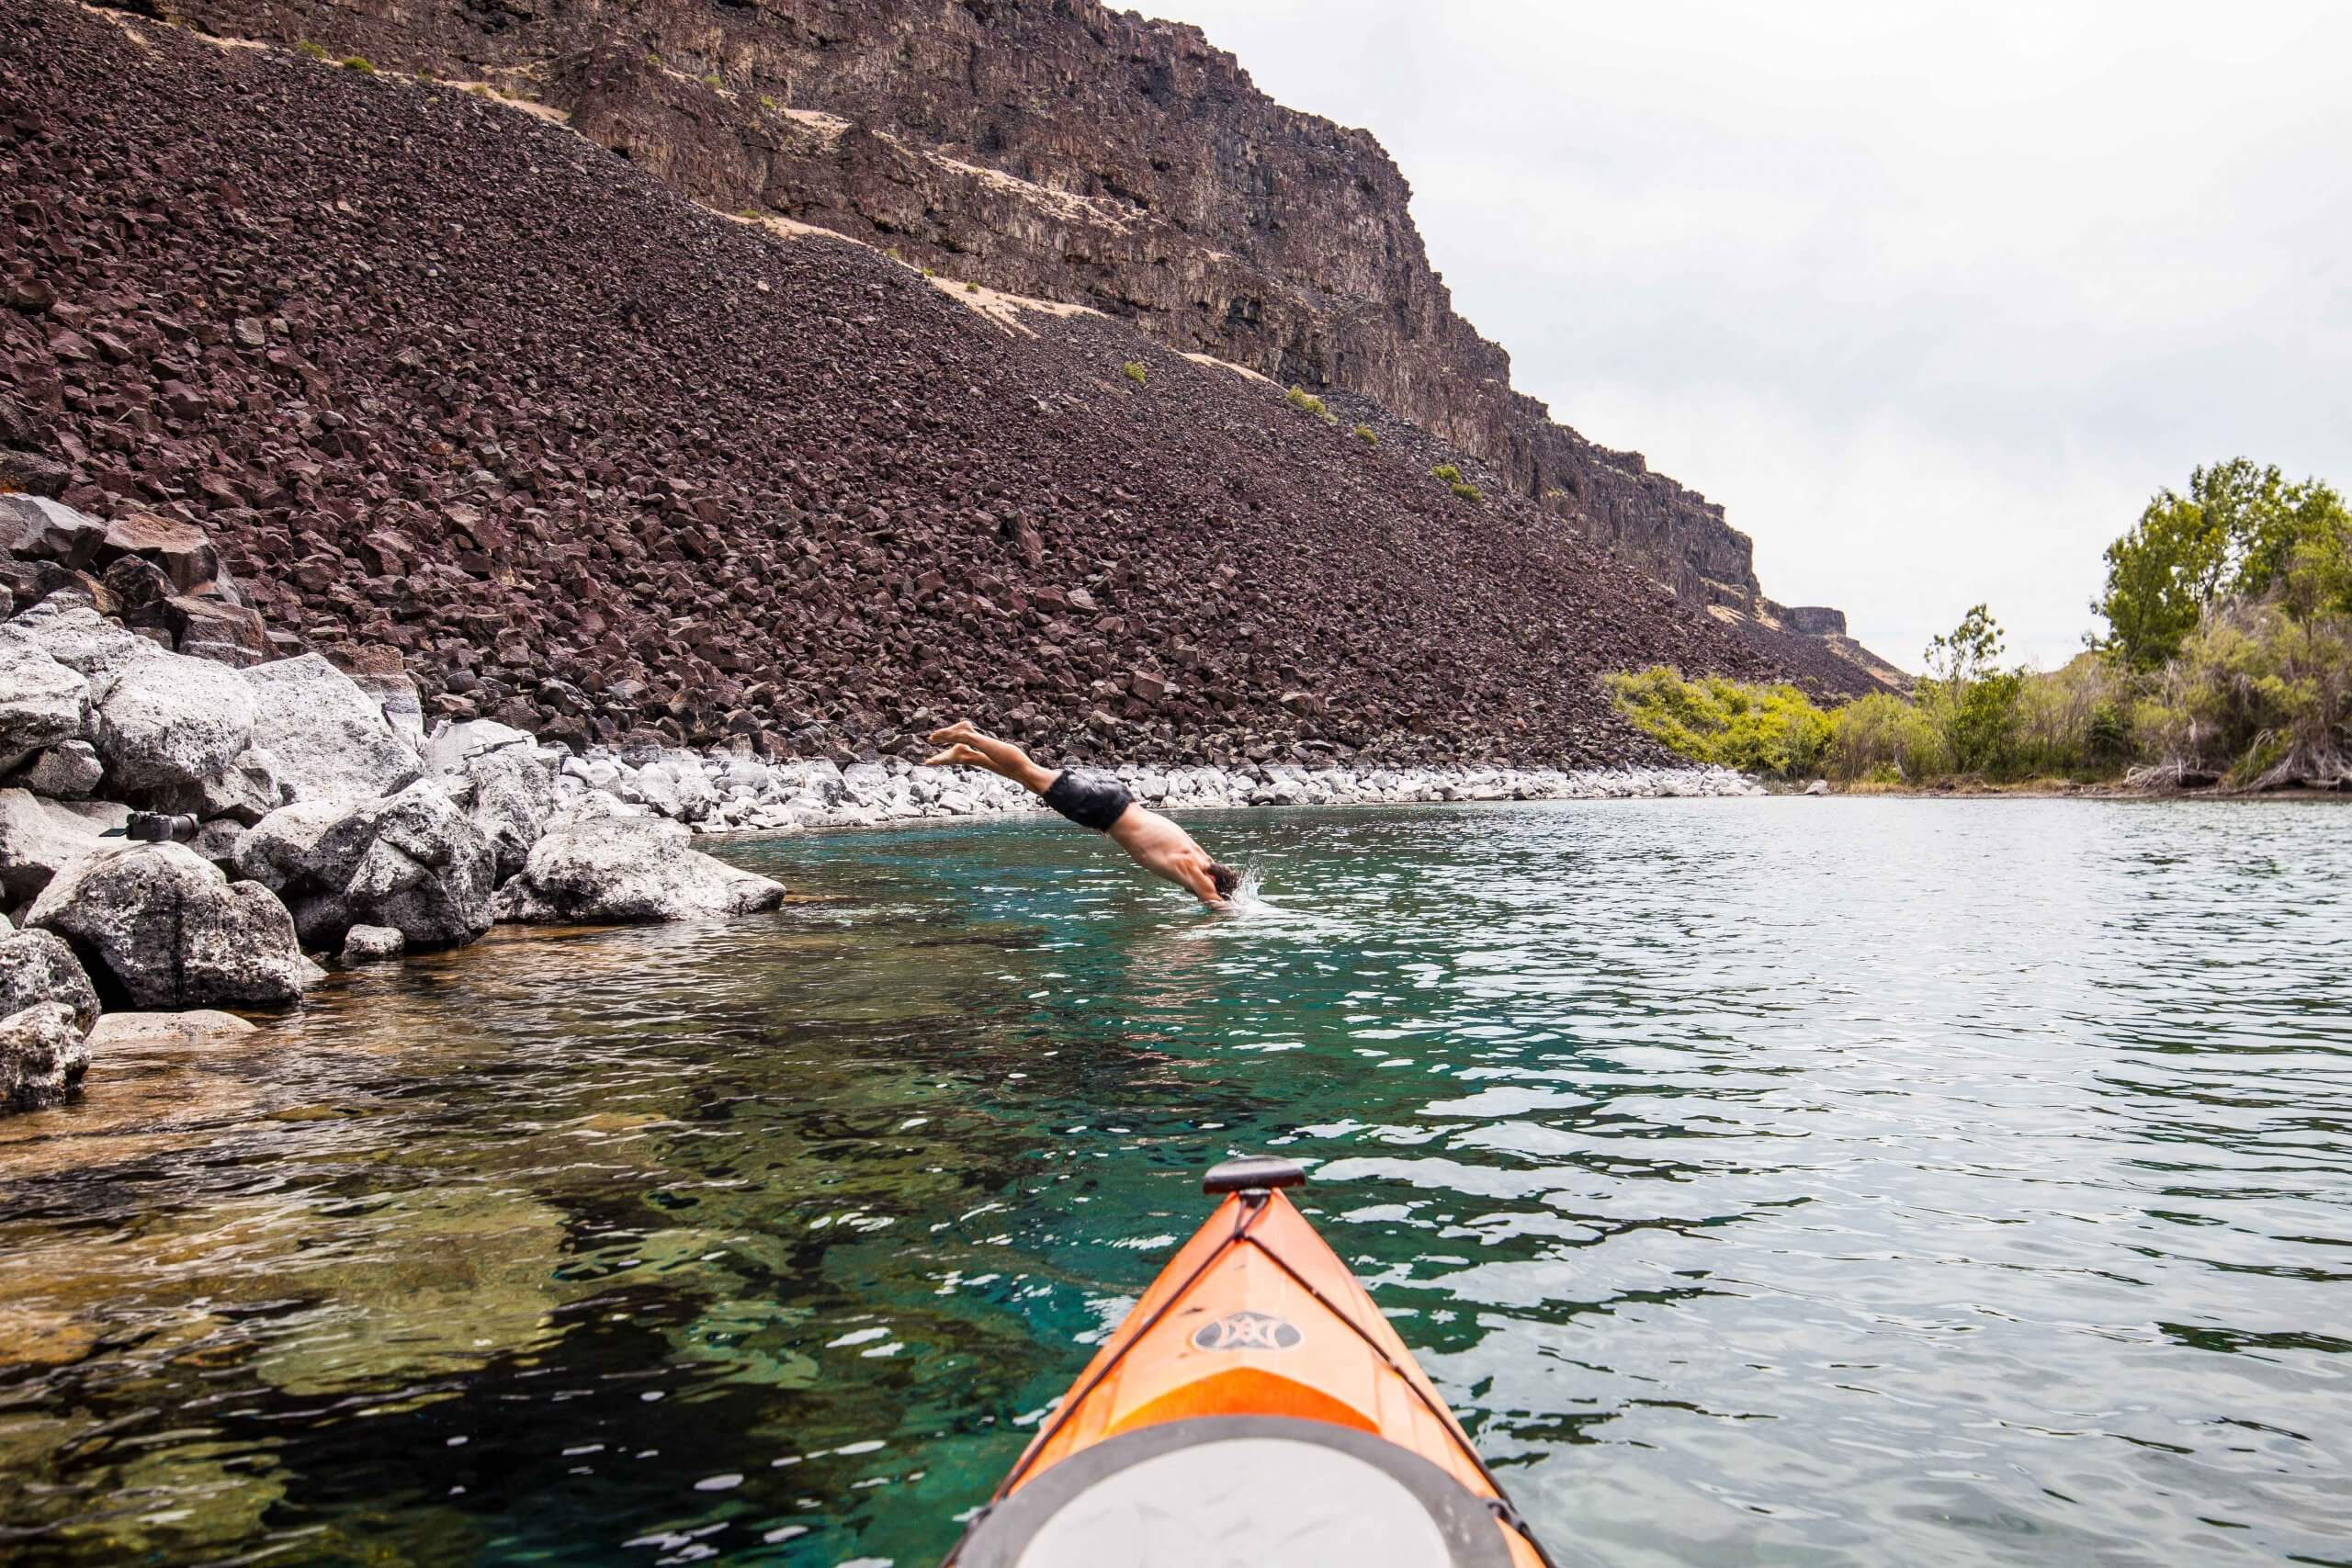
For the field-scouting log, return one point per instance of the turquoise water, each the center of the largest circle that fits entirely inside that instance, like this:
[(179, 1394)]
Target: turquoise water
[(1764, 1181)]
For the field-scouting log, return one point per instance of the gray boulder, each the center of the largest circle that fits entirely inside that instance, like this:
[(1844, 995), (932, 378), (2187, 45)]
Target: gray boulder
[(167, 723), (371, 944), (41, 838), (623, 870), (42, 1057), (216, 842), (456, 747), (509, 798), (410, 861), (67, 771), (495, 771), (331, 740), (42, 702), (164, 927), (74, 633), (37, 966), (246, 789)]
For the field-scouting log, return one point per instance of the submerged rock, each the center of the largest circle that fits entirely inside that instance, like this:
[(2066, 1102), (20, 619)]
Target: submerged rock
[(164, 927), (622, 869), (191, 1026), (42, 1057)]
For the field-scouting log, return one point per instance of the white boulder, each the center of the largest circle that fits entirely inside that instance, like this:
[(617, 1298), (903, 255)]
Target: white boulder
[(167, 929), (167, 722), (42, 703), (621, 870), (330, 739)]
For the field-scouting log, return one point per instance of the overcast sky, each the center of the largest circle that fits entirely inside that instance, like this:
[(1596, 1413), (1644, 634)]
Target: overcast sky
[(1931, 296)]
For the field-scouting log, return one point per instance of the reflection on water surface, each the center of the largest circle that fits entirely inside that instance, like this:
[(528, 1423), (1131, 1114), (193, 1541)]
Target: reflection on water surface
[(1764, 1181)]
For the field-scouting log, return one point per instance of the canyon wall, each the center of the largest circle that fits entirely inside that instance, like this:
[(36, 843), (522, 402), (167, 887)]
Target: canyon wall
[(1058, 150)]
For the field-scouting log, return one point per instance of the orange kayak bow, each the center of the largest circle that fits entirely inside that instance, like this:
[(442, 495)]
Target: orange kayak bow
[(1255, 1409)]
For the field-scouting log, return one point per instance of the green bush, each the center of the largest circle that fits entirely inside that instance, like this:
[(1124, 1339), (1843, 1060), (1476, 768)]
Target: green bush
[(2256, 697), (308, 50), (1774, 730), (356, 63), (1300, 398), (971, 289), (715, 82), (1881, 739), (1137, 372), (1467, 492), (2074, 722), (1368, 436), (1447, 472)]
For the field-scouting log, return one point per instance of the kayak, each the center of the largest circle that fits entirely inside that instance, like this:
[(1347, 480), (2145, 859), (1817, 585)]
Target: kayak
[(1254, 1408)]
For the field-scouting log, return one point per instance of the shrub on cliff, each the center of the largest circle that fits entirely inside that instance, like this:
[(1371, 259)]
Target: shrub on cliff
[(1774, 730), (1468, 492), (308, 50), (1446, 473), (359, 63), (1300, 398), (1368, 436), (1136, 373)]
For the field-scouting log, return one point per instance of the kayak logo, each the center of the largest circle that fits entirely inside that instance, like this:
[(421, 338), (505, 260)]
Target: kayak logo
[(1248, 1331)]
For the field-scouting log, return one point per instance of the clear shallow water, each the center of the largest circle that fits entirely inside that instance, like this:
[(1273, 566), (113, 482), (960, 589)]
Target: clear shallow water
[(1764, 1181)]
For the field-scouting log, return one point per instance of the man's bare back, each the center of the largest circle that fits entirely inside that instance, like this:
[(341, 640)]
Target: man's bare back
[(1098, 801)]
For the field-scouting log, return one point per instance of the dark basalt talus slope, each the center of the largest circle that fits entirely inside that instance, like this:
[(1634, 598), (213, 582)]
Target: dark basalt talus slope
[(443, 377), (1061, 150)]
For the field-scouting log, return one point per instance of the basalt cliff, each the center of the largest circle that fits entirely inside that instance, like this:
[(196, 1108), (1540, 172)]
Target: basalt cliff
[(1058, 150), (459, 396)]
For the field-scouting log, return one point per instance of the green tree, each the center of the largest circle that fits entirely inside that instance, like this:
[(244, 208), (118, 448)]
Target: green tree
[(2240, 530), (1969, 697)]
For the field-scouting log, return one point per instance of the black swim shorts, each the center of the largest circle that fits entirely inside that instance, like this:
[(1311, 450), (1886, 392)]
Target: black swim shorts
[(1090, 800)]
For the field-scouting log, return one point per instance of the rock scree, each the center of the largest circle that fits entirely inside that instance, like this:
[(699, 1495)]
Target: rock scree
[(437, 376)]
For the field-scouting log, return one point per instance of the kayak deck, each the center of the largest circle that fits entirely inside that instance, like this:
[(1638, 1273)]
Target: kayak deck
[(1255, 1392)]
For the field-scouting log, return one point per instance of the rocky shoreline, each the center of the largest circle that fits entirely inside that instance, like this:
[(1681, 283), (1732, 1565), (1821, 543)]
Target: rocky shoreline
[(748, 797), (196, 811)]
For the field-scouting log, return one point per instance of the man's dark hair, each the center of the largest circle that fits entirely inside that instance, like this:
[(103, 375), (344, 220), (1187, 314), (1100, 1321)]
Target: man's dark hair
[(1226, 878)]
